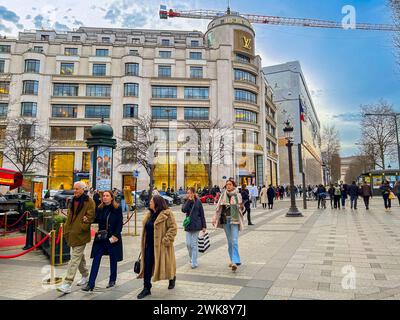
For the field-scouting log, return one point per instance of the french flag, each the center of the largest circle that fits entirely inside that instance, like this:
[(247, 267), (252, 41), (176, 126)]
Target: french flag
[(302, 114)]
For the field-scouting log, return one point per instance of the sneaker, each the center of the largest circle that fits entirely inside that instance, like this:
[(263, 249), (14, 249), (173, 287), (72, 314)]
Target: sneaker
[(230, 265), (65, 288), (83, 281), (194, 266)]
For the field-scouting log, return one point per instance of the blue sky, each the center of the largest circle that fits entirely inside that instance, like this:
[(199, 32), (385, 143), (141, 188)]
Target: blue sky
[(343, 68)]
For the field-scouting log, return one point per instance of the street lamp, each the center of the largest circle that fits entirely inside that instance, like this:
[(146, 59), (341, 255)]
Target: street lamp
[(394, 115), (293, 211), (169, 173)]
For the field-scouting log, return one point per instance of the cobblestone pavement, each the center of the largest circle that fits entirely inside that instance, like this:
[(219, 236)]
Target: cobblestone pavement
[(327, 254)]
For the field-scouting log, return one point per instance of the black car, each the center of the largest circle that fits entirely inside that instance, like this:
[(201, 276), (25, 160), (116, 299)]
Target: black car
[(63, 197)]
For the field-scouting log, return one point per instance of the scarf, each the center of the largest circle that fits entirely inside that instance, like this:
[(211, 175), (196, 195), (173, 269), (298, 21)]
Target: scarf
[(81, 200), (232, 203)]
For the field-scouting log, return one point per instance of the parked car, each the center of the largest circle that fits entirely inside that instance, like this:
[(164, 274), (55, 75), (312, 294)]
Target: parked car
[(209, 198), (169, 200), (48, 204), (63, 197)]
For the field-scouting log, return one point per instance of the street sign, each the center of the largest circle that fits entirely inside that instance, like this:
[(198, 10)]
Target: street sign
[(136, 174)]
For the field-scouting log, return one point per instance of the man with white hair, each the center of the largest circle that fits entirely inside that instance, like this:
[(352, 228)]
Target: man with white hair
[(81, 214)]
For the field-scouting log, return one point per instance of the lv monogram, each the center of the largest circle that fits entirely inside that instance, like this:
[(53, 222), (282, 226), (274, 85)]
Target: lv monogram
[(247, 43)]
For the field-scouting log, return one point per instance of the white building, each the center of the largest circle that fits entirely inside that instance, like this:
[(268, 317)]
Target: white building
[(69, 80), (290, 90)]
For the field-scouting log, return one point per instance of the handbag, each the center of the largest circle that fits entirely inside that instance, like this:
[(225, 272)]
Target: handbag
[(136, 266), (391, 195), (203, 242), (188, 219), (102, 235)]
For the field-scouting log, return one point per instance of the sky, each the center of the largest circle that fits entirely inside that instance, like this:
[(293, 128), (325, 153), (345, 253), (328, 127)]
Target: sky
[(343, 68)]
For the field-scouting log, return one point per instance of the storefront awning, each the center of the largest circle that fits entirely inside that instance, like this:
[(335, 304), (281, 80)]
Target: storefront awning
[(10, 178)]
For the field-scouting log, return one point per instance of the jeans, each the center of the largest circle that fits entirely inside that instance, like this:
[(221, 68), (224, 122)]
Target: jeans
[(253, 202), (366, 202), (148, 265), (192, 246), (123, 205), (106, 246), (353, 202), (387, 201), (343, 201), (232, 235)]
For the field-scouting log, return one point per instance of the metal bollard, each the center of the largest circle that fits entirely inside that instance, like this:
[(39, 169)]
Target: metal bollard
[(29, 235), (61, 244), (5, 223)]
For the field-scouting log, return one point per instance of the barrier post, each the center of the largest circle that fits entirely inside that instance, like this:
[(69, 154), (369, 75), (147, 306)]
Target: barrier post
[(135, 234), (61, 243), (129, 221), (29, 234), (53, 253), (5, 223)]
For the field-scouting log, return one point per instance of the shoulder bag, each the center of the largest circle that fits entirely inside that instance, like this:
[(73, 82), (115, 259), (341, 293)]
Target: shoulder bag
[(188, 219), (136, 266), (102, 235)]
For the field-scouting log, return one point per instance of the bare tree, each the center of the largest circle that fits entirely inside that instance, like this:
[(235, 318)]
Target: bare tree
[(361, 164), (330, 150), (138, 146), (213, 142), (25, 147), (378, 132)]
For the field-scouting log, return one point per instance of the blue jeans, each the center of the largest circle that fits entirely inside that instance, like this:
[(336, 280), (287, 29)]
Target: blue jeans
[(192, 246), (123, 205), (96, 263), (353, 202), (232, 235), (343, 201)]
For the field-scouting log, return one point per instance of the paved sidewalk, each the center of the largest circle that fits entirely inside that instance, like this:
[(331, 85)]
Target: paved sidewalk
[(327, 254)]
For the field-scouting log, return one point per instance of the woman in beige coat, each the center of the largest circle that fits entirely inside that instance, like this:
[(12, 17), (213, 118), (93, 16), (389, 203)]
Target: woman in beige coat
[(158, 254), (263, 197)]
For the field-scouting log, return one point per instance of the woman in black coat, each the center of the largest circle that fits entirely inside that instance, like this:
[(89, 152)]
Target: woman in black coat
[(193, 208), (246, 202), (271, 196), (109, 217)]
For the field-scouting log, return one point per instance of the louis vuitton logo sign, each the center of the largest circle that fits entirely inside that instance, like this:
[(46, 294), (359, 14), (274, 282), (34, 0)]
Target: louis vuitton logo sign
[(246, 43)]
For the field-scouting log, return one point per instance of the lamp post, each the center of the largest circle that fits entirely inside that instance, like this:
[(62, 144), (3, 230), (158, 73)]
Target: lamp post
[(169, 173), (394, 115), (293, 211)]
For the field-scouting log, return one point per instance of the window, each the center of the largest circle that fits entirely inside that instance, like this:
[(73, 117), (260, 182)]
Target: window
[(63, 111), (44, 37), (163, 92), (136, 40), (165, 42), (76, 38), (86, 133), (65, 90), (5, 48), (196, 93), (3, 133), (26, 131), (242, 58), (86, 161), (32, 66), (2, 63), (99, 69), (196, 72), (28, 109), (38, 49), (161, 134), (165, 54), (106, 39), (4, 87), (164, 71), (272, 130), (98, 111), (71, 51), (98, 90), (196, 113), (246, 96), (195, 55), (130, 110), (241, 75), (3, 110), (61, 170), (128, 155), (272, 114), (63, 133), (131, 69), (101, 52), (30, 87), (242, 115), (129, 133), (194, 43), (67, 68), (247, 136), (131, 90), (160, 113), (134, 52)]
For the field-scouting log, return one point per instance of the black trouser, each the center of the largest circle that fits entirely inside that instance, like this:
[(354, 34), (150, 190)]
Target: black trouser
[(247, 207), (336, 202), (387, 201), (264, 205), (398, 197), (366, 202), (320, 202), (270, 204), (148, 265), (331, 198)]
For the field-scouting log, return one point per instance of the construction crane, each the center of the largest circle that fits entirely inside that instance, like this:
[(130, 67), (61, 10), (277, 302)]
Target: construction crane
[(272, 20)]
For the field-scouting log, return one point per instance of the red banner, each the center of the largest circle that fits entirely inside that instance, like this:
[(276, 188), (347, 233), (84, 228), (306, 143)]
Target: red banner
[(10, 178)]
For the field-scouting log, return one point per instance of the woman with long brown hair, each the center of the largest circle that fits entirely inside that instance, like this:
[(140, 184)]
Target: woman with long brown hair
[(158, 254), (110, 220)]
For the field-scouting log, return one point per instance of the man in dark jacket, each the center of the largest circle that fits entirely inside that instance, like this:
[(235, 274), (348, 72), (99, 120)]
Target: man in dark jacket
[(81, 214), (366, 193), (354, 192), (246, 202)]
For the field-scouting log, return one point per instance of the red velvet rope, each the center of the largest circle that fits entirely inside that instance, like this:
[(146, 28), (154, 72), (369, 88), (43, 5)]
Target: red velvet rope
[(29, 250), (15, 223), (128, 219), (19, 229), (59, 235)]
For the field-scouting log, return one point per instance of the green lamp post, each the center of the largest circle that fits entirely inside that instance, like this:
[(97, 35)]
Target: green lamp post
[(102, 145)]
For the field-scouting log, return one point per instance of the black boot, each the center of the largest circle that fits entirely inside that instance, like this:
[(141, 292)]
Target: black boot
[(145, 292), (87, 288), (172, 283), (111, 284)]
